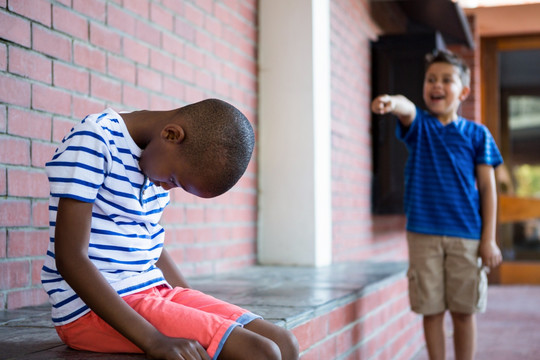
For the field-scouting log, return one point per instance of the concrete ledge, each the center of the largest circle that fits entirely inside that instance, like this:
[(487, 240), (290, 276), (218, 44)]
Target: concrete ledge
[(352, 310)]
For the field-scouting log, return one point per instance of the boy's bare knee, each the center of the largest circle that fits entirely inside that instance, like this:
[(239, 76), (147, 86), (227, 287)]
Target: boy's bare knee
[(290, 348)]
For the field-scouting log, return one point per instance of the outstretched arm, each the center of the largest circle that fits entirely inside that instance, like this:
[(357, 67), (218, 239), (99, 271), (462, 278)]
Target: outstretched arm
[(398, 105), (71, 251), (488, 250)]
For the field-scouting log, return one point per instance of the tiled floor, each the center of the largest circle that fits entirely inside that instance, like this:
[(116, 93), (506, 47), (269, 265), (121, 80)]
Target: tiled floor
[(509, 329)]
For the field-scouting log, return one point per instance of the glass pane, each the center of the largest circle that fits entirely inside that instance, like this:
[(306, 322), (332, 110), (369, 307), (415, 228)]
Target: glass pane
[(520, 241)]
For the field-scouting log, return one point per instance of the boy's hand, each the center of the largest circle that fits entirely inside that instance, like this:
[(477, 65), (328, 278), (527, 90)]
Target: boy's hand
[(490, 254), (383, 104), (177, 349), (398, 105)]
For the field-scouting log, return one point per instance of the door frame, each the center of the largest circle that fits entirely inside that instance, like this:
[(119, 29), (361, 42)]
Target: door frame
[(508, 272)]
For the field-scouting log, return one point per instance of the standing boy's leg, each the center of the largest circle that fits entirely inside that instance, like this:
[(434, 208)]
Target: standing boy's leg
[(464, 335), (466, 287), (435, 336), (426, 288)]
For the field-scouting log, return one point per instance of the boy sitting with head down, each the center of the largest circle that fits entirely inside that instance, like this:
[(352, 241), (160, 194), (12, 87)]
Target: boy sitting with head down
[(113, 286)]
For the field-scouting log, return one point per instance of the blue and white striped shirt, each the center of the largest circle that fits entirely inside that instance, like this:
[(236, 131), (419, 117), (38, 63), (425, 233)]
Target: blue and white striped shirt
[(441, 194), (98, 162)]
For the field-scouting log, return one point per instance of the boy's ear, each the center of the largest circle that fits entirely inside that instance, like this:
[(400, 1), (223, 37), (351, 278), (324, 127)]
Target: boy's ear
[(464, 93), (173, 132)]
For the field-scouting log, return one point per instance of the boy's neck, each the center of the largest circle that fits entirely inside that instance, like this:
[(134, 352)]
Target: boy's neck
[(143, 125), (446, 119)]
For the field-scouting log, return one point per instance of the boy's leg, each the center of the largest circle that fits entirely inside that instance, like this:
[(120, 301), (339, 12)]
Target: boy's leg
[(260, 339), (434, 334), (466, 286), (464, 335)]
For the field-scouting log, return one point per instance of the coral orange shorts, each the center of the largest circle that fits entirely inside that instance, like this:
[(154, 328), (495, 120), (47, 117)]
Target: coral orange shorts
[(178, 312)]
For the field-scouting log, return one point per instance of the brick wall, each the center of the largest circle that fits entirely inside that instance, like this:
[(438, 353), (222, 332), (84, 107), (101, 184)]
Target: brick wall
[(63, 59), (356, 233), (378, 325)]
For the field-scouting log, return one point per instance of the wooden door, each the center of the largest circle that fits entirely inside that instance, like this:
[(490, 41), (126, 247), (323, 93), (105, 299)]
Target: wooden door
[(511, 110)]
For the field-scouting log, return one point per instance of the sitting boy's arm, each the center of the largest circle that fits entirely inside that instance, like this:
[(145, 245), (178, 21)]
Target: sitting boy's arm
[(171, 272), (71, 252), (488, 250), (398, 105)]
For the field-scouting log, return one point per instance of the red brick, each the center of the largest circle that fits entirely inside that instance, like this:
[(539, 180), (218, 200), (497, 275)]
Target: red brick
[(65, 20), (105, 38), (37, 264), (204, 41), (95, 9), (136, 51), (29, 124), (104, 88), (194, 15), (135, 97), (25, 183), (14, 274), (147, 33), (158, 102), (14, 29), (51, 99), (173, 87), (176, 6), (311, 332), (173, 45), (89, 57), (161, 16), (61, 127), (41, 153), (3, 57), (27, 297), (195, 56), (184, 71), (3, 118), (51, 43), (29, 64), (120, 19), (86, 106), (38, 10), (14, 151), (184, 29), (71, 78), (161, 62), (27, 243), (14, 91), (121, 68), (138, 7), (203, 79), (3, 246), (193, 94), (3, 181), (149, 79), (40, 212)]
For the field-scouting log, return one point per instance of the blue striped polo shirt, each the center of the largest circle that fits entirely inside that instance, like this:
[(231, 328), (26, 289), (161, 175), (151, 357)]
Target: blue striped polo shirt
[(441, 194), (98, 162)]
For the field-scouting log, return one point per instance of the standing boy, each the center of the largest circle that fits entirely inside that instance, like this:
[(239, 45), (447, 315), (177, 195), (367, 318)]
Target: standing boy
[(112, 285), (450, 204)]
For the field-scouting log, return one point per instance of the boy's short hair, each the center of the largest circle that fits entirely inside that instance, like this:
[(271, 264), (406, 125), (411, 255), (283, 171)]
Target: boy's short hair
[(446, 56), (218, 143)]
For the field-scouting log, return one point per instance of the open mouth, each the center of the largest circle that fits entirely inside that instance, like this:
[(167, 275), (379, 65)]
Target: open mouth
[(437, 97)]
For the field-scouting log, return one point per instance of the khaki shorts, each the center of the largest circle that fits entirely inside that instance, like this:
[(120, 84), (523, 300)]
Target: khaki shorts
[(445, 273)]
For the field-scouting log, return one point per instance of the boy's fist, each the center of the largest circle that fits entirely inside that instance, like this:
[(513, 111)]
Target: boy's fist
[(383, 104)]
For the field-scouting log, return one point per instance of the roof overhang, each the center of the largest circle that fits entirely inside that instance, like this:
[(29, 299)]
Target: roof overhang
[(445, 16)]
